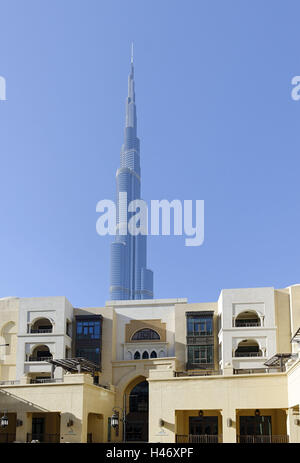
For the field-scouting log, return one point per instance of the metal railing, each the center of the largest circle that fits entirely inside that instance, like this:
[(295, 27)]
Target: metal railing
[(280, 439), (198, 439), (198, 373), (40, 330), (45, 438), (6, 437), (32, 358), (46, 380), (8, 383), (248, 354), (241, 324), (200, 333), (253, 371)]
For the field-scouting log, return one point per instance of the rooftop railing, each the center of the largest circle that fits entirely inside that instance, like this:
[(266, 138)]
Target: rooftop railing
[(198, 373), (8, 383), (45, 380)]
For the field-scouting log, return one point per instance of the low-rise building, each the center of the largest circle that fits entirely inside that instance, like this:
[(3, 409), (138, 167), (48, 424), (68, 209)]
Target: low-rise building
[(165, 370)]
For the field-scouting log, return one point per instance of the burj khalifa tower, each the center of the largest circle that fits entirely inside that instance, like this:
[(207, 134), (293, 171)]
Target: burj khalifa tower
[(130, 278)]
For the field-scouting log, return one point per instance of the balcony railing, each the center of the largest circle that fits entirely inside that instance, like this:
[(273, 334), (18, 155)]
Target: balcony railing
[(46, 438), (7, 438), (248, 354), (40, 330), (32, 358), (198, 373), (200, 333), (246, 324), (282, 439), (198, 439)]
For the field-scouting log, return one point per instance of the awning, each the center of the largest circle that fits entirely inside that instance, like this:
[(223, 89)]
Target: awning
[(279, 360), (76, 365), (296, 337)]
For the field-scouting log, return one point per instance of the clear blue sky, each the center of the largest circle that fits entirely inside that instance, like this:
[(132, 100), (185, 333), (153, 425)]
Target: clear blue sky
[(215, 119)]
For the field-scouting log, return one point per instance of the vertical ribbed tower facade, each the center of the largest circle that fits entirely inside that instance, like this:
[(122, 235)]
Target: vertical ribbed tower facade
[(130, 278)]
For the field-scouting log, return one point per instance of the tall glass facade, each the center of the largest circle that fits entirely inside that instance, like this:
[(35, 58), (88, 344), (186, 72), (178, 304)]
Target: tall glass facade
[(130, 278), (88, 340)]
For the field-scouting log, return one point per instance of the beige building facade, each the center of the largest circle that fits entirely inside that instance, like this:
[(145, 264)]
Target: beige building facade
[(165, 370)]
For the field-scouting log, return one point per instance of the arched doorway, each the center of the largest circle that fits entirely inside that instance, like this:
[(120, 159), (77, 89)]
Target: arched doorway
[(137, 413)]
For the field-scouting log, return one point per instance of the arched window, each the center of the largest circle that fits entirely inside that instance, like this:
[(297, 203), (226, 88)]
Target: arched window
[(145, 334), (153, 354), (248, 348), (247, 319), (42, 325), (40, 354), (137, 355), (145, 355)]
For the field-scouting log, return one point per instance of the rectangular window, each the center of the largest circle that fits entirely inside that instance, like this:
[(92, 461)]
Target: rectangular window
[(200, 354), (88, 329), (199, 325)]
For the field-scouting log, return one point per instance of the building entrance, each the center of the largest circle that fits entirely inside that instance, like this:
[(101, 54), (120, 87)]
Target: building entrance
[(137, 418)]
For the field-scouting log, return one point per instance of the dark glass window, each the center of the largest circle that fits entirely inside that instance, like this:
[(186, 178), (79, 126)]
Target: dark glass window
[(200, 354), (88, 329), (145, 355), (89, 353), (137, 356), (145, 334), (255, 426), (199, 326), (153, 354), (138, 398)]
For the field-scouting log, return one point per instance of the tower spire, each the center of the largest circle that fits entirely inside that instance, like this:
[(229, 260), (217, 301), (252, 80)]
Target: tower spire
[(131, 53)]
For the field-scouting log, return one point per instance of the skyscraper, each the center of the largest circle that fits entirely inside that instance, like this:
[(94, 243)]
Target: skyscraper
[(130, 278)]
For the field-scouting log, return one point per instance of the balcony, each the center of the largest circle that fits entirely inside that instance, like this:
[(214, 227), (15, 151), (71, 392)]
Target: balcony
[(247, 319), (198, 439), (40, 326), (280, 439)]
